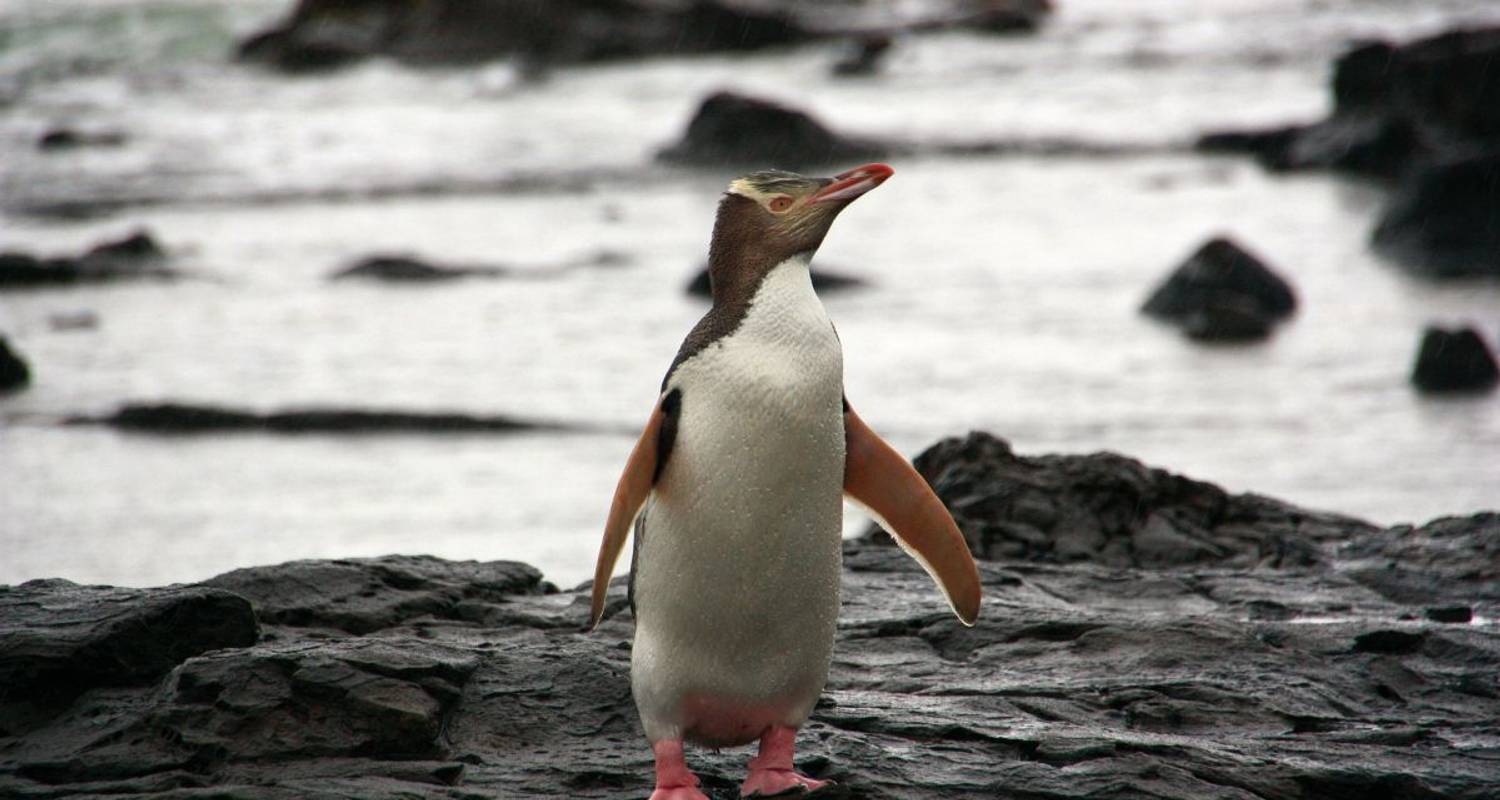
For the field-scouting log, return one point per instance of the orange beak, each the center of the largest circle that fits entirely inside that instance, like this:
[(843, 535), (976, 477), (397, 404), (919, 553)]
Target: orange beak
[(848, 185)]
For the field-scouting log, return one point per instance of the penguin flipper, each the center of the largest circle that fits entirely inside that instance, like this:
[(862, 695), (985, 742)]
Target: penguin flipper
[(636, 484), (885, 483)]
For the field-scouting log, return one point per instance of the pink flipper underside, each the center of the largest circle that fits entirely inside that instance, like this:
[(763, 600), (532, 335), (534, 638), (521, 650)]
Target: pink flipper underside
[(771, 772), (674, 781)]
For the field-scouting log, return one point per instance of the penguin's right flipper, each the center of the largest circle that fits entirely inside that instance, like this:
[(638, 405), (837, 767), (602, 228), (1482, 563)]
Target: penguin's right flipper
[(642, 471), (885, 483)]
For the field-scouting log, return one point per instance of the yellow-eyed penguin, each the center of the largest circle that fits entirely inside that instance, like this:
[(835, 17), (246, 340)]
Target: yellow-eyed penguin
[(738, 482)]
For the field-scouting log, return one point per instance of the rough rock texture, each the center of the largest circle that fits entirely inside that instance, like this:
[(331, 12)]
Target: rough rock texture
[(1222, 292), (137, 255), (184, 418), (735, 130), (58, 639), (1454, 361), (15, 374), (1108, 509), (1424, 114), (822, 280), (1298, 660)]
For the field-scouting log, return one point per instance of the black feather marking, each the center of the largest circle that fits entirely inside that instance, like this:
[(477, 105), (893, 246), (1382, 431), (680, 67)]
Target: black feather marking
[(666, 436)]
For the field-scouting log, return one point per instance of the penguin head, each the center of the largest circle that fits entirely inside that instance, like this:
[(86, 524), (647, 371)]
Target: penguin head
[(768, 217)]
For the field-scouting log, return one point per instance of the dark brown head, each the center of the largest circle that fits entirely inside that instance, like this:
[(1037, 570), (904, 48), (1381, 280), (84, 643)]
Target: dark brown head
[(767, 217)]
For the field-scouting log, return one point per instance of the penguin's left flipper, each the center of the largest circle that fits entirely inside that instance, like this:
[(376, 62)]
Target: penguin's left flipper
[(642, 471), (885, 483)]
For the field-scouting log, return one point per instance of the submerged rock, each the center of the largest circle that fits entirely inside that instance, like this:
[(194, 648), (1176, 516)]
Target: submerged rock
[(73, 138), (137, 255), (182, 418), (402, 268), (1454, 361), (1222, 292), (1093, 676), (735, 130), (15, 374), (822, 280)]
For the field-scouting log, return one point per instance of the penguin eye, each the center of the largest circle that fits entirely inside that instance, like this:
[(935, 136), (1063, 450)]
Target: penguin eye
[(780, 203)]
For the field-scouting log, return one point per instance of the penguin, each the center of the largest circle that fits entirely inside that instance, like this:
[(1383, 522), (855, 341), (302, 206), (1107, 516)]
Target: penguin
[(735, 492)]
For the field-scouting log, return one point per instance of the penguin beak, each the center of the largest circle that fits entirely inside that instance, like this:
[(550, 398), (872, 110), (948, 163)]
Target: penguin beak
[(848, 185)]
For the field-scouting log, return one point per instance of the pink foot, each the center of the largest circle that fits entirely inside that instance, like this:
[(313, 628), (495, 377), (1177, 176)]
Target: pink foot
[(771, 772), (674, 781)]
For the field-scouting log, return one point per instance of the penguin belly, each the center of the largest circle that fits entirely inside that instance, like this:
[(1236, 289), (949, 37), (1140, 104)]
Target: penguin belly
[(738, 565)]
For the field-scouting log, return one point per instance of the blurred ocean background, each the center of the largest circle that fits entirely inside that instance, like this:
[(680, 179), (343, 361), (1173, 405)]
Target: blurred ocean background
[(1004, 289)]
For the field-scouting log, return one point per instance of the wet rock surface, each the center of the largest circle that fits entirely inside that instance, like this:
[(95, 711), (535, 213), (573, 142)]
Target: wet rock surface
[(1222, 292), (186, 418), (135, 256), (1247, 649), (1454, 361)]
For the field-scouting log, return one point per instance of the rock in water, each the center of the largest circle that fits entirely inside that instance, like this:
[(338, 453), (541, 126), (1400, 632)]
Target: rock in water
[(185, 419), (14, 373), (402, 268), (1222, 292), (822, 280), (1424, 115), (137, 255), (324, 34), (734, 130), (72, 138), (1444, 219), (1454, 361)]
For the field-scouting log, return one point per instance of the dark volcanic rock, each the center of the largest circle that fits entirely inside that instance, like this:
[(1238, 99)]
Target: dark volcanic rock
[(1424, 114), (1226, 674), (1393, 105), (734, 130), (1234, 321), (401, 268), (137, 255), (364, 595), (1454, 361), (59, 639), (1222, 292), (322, 34), (1444, 219), (181, 418), (822, 280), (1108, 509), (14, 373)]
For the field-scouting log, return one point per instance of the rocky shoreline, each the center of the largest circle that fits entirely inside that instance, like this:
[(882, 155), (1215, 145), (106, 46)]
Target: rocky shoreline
[(1144, 635)]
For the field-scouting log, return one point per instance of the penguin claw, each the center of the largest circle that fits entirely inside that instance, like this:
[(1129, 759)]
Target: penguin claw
[(774, 782)]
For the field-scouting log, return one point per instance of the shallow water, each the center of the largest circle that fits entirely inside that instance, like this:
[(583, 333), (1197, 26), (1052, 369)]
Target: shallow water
[(1003, 298)]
